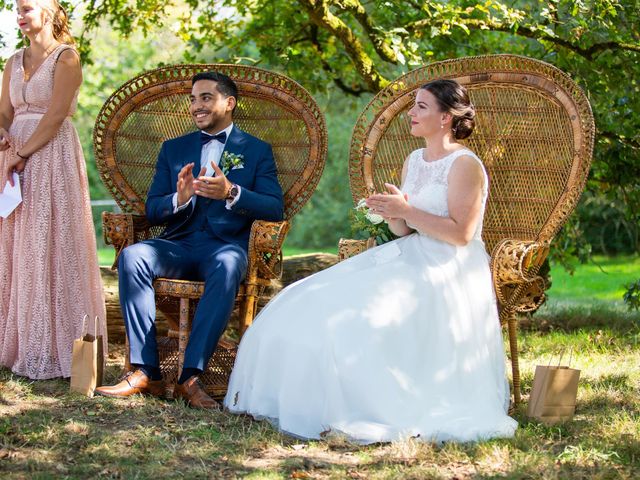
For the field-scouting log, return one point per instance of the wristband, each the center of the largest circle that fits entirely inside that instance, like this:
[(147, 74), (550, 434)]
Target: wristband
[(23, 158)]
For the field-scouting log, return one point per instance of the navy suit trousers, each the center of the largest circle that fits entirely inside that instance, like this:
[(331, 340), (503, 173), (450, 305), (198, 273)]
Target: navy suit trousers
[(198, 256)]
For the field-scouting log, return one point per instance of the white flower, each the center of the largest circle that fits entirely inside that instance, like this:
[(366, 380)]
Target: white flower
[(374, 218)]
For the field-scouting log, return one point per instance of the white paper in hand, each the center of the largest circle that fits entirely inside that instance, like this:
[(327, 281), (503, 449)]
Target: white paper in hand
[(11, 197)]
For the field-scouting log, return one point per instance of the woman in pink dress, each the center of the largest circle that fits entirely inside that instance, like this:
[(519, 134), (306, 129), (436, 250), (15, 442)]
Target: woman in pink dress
[(49, 275)]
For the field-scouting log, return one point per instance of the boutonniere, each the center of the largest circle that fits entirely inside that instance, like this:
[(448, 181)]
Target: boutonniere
[(231, 161)]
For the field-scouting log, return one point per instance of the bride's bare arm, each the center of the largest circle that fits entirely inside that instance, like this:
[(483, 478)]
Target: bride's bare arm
[(397, 225), (464, 200)]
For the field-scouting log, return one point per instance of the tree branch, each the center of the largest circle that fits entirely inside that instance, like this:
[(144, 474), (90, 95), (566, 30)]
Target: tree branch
[(379, 44), (528, 32), (315, 41), (321, 16)]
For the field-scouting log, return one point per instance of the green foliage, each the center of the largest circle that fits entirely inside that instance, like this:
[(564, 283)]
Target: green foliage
[(570, 245), (325, 218), (604, 224)]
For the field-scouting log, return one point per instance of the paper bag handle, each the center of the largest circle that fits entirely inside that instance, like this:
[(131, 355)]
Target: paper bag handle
[(85, 325), (562, 352)]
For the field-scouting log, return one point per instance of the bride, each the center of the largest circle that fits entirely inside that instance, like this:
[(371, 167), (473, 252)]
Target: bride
[(404, 339)]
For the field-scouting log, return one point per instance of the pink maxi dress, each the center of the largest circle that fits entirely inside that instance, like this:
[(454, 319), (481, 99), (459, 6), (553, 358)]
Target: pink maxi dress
[(49, 274)]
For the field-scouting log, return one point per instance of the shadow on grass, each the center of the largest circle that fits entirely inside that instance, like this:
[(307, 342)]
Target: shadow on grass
[(143, 438)]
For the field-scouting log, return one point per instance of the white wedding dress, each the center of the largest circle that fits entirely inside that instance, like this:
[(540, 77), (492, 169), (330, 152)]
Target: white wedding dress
[(400, 341)]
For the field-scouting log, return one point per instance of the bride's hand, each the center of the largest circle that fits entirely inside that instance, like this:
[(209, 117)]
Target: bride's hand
[(391, 205)]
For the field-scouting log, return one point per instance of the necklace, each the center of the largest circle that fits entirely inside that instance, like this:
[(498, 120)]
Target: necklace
[(34, 68)]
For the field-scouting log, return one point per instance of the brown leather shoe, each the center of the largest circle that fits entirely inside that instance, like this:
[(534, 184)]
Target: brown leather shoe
[(193, 393), (133, 383)]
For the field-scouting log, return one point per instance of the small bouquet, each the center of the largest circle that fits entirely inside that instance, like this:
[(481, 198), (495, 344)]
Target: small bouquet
[(231, 161), (366, 224)]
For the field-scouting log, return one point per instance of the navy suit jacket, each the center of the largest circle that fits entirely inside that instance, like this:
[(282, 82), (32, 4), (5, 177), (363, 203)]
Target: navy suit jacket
[(261, 197)]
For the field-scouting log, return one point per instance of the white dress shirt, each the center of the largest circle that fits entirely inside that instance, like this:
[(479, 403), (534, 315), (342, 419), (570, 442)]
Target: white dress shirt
[(211, 152)]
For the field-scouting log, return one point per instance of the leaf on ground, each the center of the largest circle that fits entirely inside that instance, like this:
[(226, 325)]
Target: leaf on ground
[(299, 474)]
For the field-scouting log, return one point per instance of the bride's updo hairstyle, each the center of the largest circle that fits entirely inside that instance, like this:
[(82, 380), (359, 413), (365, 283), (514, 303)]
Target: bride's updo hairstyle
[(453, 98), (57, 15)]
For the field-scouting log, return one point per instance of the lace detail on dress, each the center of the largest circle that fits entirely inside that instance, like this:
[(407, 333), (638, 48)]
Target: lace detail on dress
[(49, 275), (34, 95), (427, 183)]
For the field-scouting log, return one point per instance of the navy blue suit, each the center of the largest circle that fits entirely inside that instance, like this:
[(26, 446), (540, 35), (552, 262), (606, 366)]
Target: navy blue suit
[(205, 242)]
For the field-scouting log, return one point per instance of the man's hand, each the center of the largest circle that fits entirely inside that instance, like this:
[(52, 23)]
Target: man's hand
[(212, 187), (185, 185)]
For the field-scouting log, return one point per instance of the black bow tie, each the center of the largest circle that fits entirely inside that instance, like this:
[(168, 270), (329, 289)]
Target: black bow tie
[(206, 138)]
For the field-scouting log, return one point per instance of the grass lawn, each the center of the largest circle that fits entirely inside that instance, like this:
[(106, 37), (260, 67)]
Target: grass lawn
[(602, 280), (45, 432), (106, 256)]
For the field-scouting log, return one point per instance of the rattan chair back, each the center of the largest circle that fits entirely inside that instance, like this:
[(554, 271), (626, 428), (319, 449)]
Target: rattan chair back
[(534, 132), (153, 107)]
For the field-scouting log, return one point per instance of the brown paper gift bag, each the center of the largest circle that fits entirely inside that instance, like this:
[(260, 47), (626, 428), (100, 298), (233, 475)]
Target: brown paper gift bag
[(553, 394), (87, 360)]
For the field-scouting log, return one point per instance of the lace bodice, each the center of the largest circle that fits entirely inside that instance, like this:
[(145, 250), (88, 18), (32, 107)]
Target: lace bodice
[(34, 96), (426, 184)]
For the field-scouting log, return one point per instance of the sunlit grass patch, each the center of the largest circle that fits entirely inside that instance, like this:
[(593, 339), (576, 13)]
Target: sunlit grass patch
[(602, 279)]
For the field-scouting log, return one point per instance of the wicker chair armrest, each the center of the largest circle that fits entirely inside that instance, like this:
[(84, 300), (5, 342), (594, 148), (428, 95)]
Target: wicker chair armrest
[(265, 248), (348, 247), (122, 230), (514, 268)]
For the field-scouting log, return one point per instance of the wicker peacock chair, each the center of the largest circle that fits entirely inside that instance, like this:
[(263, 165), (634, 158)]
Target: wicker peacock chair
[(534, 132), (153, 107)]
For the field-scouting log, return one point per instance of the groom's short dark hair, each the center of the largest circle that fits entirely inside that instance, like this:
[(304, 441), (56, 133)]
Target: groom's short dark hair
[(225, 85)]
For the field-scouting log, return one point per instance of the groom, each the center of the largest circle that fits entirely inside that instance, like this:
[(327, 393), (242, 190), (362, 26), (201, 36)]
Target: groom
[(208, 221)]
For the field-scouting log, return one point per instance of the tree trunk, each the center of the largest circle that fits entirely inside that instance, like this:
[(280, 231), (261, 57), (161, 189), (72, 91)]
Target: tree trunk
[(295, 268)]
